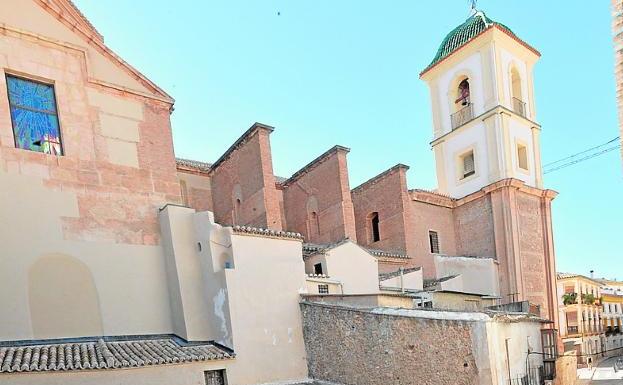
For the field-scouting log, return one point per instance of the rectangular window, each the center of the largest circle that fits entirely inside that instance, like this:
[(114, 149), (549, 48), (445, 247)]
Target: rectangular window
[(433, 238), (522, 157), (214, 377), (323, 289), (34, 116), (318, 269), (467, 162)]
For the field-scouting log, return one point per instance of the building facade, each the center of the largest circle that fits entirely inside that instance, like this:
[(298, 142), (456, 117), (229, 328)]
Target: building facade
[(612, 315), (117, 255), (581, 316)]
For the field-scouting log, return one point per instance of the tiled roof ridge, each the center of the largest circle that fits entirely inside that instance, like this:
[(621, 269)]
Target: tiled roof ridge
[(379, 177), (387, 254), (428, 283), (445, 52), (194, 165), (269, 233), (465, 256), (314, 163), (240, 141), (386, 276), (102, 354), (431, 192), (311, 249)]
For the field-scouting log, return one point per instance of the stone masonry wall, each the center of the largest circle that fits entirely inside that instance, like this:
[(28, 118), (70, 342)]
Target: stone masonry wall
[(359, 348), (322, 190), (118, 151)]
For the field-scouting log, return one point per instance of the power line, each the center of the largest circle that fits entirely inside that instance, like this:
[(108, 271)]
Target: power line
[(587, 157), (583, 152)]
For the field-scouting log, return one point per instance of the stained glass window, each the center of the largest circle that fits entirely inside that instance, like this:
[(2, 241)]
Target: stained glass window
[(34, 116)]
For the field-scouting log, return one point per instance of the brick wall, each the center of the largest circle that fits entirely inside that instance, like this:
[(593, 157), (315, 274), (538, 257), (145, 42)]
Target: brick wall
[(428, 212), (473, 222), (196, 190), (355, 347), (317, 201), (245, 172), (387, 195), (118, 151)]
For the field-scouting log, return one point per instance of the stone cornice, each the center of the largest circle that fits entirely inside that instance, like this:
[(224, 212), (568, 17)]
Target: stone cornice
[(315, 163), (499, 109), (244, 138)]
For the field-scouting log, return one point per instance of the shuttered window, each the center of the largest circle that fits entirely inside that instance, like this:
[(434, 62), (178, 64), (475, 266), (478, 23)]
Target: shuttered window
[(433, 237), (468, 164)]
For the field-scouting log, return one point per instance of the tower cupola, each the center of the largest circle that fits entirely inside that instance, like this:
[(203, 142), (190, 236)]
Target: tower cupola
[(484, 115)]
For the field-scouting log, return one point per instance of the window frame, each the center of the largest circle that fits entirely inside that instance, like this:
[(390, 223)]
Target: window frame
[(375, 227), (323, 288), (316, 265), (459, 164), (430, 241), (45, 82), (521, 144)]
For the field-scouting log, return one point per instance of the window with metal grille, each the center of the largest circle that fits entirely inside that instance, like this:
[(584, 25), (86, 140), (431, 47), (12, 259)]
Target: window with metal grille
[(323, 289), (469, 168), (433, 237), (34, 115), (214, 377)]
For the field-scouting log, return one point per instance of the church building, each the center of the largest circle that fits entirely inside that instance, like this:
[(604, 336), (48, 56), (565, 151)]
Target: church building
[(116, 255)]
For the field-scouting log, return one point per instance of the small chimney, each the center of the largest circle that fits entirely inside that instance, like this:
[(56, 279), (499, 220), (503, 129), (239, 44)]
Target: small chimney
[(592, 274)]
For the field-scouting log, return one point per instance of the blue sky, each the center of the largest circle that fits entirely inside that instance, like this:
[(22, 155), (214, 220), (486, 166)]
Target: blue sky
[(328, 72)]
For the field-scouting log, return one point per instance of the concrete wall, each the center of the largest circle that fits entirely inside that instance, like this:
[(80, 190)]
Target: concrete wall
[(479, 275), (317, 200), (239, 290), (399, 346), (352, 266), (245, 173), (413, 281)]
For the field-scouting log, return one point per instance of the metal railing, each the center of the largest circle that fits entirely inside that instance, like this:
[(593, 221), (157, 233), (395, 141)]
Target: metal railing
[(535, 376), (462, 116), (519, 107), (572, 330)]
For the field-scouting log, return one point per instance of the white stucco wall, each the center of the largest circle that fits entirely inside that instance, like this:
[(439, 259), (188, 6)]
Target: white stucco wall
[(411, 281), (354, 267), (479, 275)]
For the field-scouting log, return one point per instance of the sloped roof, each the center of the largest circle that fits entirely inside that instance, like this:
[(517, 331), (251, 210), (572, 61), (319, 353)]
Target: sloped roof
[(473, 27), (194, 165), (105, 353), (393, 274)]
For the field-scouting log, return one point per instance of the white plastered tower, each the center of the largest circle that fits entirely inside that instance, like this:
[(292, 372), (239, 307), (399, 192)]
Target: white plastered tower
[(484, 115)]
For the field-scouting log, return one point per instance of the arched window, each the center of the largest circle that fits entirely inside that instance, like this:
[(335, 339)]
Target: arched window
[(374, 233), (237, 204), (519, 105), (463, 94), (314, 225)]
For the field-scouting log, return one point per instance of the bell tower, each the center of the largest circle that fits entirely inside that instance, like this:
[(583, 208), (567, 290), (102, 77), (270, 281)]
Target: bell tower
[(484, 115)]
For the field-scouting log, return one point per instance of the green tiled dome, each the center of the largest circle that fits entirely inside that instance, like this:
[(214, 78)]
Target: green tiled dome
[(463, 34)]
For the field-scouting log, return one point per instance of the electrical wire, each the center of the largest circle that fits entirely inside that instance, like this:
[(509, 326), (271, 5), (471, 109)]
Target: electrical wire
[(575, 161), (583, 152)]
